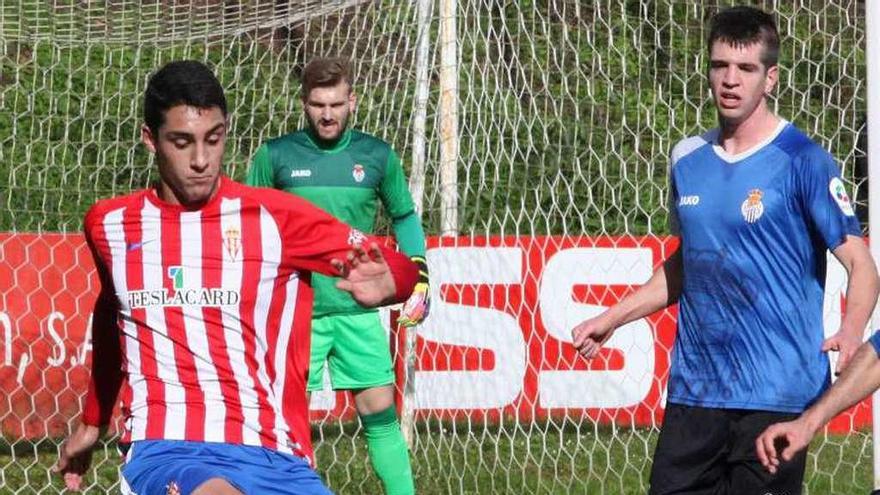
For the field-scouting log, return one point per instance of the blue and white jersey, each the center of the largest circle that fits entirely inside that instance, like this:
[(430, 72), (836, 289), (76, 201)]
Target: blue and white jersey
[(754, 231)]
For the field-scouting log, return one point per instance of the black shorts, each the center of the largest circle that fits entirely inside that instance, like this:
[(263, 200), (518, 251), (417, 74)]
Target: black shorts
[(705, 451)]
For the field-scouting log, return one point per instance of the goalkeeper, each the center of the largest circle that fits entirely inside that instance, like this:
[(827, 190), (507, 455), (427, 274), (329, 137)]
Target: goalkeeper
[(344, 172)]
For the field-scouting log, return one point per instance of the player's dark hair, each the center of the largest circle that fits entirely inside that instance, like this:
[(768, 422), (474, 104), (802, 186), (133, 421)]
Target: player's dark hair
[(326, 72), (745, 26), (184, 82)]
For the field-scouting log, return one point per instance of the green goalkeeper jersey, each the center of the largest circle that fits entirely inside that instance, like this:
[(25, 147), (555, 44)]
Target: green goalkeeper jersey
[(345, 181)]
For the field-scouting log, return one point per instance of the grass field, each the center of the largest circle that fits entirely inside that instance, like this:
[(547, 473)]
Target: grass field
[(497, 461)]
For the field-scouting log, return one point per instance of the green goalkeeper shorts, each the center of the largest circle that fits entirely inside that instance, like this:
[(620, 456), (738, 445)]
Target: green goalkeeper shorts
[(356, 348)]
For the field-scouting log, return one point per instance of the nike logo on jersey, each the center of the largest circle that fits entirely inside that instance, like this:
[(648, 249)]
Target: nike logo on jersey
[(137, 245), (689, 200), (300, 173)]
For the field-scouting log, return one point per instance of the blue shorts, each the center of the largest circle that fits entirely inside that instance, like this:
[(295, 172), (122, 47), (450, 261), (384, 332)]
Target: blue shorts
[(160, 466)]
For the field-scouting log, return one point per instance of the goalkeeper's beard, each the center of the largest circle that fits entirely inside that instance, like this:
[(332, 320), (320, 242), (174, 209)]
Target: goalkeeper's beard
[(315, 127)]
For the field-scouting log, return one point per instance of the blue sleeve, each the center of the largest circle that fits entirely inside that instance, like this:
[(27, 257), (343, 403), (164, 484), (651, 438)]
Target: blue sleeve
[(875, 342), (824, 199)]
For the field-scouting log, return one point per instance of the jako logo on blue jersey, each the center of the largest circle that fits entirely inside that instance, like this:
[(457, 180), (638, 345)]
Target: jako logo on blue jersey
[(689, 201)]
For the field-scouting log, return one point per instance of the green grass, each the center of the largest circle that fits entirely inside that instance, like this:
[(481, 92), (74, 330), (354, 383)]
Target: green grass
[(512, 458)]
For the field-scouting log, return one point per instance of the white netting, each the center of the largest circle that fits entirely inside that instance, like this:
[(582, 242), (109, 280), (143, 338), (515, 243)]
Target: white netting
[(567, 111)]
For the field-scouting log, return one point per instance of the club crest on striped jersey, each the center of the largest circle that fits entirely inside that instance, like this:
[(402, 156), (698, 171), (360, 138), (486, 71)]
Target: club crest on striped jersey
[(752, 208), (358, 172), (838, 192), (232, 242)]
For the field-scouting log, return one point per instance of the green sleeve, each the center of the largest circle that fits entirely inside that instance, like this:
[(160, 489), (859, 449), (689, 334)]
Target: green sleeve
[(398, 202), (409, 234), (394, 190), (260, 174)]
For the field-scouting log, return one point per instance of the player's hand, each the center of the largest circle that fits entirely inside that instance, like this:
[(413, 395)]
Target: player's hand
[(366, 276), (416, 308), (782, 441), (589, 335), (846, 344), (75, 455)]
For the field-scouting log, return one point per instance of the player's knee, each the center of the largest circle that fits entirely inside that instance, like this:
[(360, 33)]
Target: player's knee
[(374, 400)]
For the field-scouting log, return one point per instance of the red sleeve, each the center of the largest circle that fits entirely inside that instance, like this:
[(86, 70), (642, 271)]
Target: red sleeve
[(404, 271), (106, 374), (313, 237)]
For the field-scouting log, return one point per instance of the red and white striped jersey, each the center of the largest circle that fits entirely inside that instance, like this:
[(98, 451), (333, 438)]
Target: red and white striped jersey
[(204, 316)]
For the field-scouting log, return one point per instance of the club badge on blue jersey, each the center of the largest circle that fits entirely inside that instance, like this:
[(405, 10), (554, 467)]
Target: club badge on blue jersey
[(752, 208)]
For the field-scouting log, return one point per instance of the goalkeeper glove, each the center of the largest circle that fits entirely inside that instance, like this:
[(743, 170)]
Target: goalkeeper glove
[(416, 308)]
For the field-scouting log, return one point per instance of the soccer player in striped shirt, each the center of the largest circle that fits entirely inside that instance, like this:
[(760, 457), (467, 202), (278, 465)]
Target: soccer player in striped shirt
[(203, 319)]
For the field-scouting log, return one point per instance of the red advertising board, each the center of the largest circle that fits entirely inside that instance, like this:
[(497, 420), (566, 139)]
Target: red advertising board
[(496, 345)]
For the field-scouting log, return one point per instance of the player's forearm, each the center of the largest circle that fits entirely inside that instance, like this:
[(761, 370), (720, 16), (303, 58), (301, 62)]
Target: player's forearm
[(106, 374), (861, 295), (858, 380), (661, 290)]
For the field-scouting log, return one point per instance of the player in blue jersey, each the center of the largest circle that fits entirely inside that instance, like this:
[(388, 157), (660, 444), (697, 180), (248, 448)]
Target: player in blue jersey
[(858, 381), (756, 204)]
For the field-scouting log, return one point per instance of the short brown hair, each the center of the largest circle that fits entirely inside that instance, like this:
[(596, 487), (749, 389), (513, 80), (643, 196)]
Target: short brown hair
[(324, 72), (744, 26)]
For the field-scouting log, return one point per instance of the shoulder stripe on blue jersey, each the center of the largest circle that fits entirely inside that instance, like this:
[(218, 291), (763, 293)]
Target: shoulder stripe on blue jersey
[(689, 145)]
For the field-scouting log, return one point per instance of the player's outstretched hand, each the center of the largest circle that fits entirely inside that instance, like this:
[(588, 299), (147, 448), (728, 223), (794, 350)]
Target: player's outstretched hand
[(782, 441), (845, 343), (589, 336), (75, 455), (366, 276)]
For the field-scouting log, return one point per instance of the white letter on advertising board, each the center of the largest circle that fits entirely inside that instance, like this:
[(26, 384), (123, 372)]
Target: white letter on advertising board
[(560, 313), (59, 352), (482, 328), (7, 338)]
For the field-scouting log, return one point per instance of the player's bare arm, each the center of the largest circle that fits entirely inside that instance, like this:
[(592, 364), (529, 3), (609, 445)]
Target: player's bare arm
[(661, 290), (75, 454), (780, 442), (861, 296)]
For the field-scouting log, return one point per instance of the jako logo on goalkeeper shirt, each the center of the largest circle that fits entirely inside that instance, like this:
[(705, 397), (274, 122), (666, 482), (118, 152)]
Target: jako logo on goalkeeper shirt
[(182, 296)]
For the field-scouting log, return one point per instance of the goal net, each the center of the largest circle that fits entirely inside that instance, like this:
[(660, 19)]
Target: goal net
[(566, 112)]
